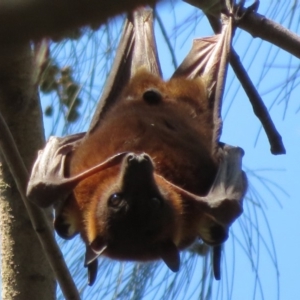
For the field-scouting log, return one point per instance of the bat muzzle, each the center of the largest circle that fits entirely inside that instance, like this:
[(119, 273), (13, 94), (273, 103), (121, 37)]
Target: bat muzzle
[(137, 172)]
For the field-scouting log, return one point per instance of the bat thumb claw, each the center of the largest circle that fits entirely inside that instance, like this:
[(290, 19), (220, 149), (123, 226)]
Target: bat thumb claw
[(170, 256)]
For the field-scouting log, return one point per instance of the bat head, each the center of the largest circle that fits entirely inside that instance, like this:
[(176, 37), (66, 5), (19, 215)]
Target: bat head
[(134, 217)]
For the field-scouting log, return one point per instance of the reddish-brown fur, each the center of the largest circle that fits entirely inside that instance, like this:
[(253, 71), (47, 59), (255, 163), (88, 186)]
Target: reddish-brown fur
[(176, 132)]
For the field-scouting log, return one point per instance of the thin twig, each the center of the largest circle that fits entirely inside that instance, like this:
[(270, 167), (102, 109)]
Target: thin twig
[(37, 216), (166, 38)]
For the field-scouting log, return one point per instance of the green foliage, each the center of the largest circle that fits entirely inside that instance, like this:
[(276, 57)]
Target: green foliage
[(55, 79)]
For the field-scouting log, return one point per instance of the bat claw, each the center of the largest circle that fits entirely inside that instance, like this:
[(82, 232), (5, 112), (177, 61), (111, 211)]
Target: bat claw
[(217, 254), (92, 269)]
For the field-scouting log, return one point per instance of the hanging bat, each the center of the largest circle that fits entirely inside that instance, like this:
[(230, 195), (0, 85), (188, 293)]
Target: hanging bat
[(150, 176)]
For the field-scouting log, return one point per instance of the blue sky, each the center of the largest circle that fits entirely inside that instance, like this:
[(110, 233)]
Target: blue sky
[(272, 274)]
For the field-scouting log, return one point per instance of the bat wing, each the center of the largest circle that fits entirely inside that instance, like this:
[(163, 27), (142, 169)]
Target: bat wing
[(48, 183), (208, 58), (136, 49), (223, 204), (47, 179), (225, 198)]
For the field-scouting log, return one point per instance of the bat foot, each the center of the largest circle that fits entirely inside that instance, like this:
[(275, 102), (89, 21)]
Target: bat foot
[(64, 228), (241, 11)]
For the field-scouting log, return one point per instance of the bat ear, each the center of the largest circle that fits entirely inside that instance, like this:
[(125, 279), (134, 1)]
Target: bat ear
[(95, 249), (170, 255), (92, 272)]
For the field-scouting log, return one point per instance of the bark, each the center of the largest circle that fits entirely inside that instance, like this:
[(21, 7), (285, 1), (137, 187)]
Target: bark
[(26, 273), (34, 19)]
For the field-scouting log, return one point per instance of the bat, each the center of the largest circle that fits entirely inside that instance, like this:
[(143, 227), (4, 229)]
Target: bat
[(150, 176)]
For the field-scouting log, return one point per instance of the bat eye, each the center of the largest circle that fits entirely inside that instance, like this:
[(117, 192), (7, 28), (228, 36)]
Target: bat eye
[(115, 200), (156, 202), (152, 97)]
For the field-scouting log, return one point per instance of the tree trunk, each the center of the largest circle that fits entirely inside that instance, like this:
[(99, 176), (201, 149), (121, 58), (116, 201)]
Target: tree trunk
[(26, 273)]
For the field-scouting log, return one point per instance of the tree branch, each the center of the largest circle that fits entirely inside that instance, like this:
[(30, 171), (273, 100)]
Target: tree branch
[(257, 25), (260, 26), (258, 105), (21, 21), (37, 216)]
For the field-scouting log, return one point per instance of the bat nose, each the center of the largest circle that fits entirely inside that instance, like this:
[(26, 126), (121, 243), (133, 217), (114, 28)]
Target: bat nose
[(138, 166), (137, 173), (133, 158)]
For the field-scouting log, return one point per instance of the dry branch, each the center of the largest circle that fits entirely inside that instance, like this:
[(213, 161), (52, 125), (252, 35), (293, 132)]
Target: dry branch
[(258, 105), (257, 25), (22, 21), (260, 26), (37, 216)]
